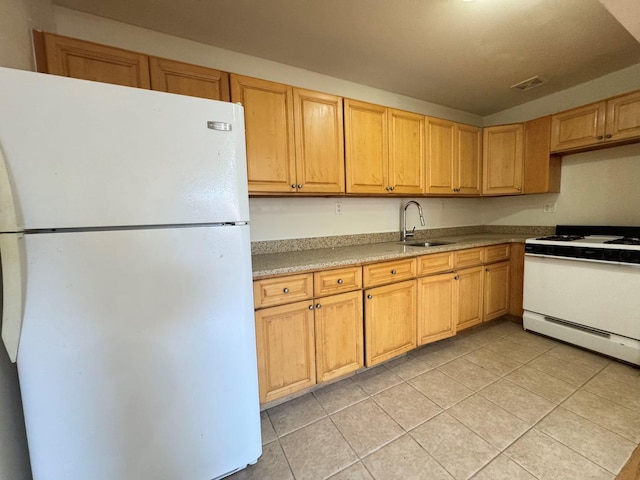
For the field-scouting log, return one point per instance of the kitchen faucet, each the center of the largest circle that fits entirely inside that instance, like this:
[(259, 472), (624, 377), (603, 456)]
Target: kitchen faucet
[(404, 232)]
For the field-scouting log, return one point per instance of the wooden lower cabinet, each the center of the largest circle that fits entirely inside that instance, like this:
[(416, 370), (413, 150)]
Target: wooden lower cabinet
[(286, 349), (339, 336), (470, 287), (496, 290), (389, 321), (437, 307)]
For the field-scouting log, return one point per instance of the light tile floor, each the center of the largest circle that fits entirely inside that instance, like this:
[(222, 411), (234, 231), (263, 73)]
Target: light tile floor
[(492, 403)]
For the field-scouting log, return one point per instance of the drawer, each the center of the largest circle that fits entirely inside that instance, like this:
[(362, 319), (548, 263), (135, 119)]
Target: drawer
[(496, 253), (388, 272), (436, 263), (336, 281), (281, 290), (468, 258)]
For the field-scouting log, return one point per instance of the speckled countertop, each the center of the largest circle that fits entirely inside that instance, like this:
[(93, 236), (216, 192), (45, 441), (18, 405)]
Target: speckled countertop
[(322, 258)]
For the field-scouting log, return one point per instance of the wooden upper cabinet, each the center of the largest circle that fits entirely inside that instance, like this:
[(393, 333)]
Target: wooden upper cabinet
[(598, 124), (70, 57), (319, 140), (406, 152), (541, 169), (268, 115), (366, 148), (454, 158), (186, 79), (503, 159)]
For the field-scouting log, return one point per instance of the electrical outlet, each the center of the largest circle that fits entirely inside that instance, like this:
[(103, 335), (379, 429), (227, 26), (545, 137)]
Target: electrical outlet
[(549, 208), (338, 208)]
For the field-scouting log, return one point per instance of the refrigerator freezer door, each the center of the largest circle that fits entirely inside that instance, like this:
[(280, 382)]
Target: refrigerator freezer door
[(87, 154), (13, 283), (137, 368)]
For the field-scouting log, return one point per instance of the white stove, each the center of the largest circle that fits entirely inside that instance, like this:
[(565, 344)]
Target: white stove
[(582, 285)]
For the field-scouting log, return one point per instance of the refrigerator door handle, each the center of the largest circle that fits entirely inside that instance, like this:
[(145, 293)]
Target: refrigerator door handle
[(8, 212), (13, 290)]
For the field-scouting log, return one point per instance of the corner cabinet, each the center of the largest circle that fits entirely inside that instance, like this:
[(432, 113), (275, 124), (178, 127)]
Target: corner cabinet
[(597, 125), (503, 159), (454, 158), (384, 150), (294, 137)]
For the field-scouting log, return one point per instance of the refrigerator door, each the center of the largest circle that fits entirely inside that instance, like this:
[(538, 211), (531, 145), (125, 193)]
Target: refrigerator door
[(133, 368), (86, 154)]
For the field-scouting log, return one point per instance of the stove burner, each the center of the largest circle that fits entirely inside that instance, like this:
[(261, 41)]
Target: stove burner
[(625, 241), (562, 238)]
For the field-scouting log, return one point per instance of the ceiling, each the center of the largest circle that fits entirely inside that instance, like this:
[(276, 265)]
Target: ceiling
[(461, 54)]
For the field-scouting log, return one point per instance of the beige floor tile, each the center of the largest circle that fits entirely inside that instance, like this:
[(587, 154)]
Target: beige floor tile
[(506, 326), (484, 334), (623, 372), (514, 399), (339, 395), (567, 371), (444, 351), (599, 445), (295, 414), (408, 407), (494, 424), (548, 459), (503, 468), (357, 471), (526, 338), (492, 361), (317, 451), (623, 421), (407, 367), (268, 433), (404, 459), (540, 383), (515, 351), (376, 379), (469, 374), (581, 357), (458, 449), (439, 388), (623, 393), (366, 427), (271, 465)]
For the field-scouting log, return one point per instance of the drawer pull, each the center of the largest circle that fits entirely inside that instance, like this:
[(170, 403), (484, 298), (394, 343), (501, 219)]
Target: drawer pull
[(457, 277), (286, 290), (393, 272), (339, 281)]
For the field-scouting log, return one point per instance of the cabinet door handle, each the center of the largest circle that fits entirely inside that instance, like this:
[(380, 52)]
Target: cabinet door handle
[(608, 135), (318, 305), (339, 281), (391, 188), (293, 185), (457, 277), (286, 290), (310, 307), (599, 137), (393, 272), (299, 185), (369, 296)]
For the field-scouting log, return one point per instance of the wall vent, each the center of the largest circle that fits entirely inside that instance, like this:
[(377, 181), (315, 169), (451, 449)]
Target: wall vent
[(528, 84)]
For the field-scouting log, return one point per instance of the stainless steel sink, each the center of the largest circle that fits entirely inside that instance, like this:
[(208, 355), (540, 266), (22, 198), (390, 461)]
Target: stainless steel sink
[(426, 244)]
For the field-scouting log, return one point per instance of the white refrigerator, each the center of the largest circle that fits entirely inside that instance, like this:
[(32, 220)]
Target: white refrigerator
[(126, 278)]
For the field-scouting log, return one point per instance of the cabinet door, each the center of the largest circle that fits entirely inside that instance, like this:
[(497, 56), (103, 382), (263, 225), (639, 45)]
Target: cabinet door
[(339, 336), (437, 307), (366, 149), (623, 117), (406, 152), (186, 79), (468, 165), (268, 116), (516, 279), (390, 321), (469, 283), (441, 155), (319, 142), (579, 127), (70, 57), (541, 169), (286, 350), (502, 159), (496, 290)]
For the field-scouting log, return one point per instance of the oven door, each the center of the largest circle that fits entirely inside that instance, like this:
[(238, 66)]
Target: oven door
[(600, 296)]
